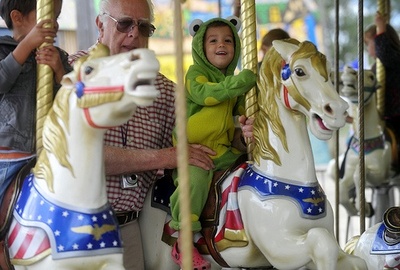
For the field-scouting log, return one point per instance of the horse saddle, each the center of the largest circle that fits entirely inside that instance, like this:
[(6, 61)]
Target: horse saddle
[(6, 212), (209, 219)]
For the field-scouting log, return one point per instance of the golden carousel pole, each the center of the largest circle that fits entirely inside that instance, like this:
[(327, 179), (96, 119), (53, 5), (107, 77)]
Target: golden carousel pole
[(182, 149), (383, 8), (249, 55), (44, 80)]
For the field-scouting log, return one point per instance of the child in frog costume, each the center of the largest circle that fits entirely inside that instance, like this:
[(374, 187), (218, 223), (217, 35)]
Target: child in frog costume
[(214, 97)]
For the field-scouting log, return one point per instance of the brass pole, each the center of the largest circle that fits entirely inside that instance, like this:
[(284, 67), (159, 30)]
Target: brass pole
[(44, 80), (380, 69), (249, 55)]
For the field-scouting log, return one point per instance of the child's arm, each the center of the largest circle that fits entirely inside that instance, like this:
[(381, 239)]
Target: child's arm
[(208, 93), (36, 37), (380, 21), (49, 55)]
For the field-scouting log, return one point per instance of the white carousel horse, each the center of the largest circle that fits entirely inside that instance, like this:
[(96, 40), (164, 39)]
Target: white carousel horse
[(379, 245), (287, 221), (377, 150), (62, 218)]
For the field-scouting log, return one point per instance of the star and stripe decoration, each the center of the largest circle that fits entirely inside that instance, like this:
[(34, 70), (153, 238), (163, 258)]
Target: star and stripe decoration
[(70, 232), (311, 199)]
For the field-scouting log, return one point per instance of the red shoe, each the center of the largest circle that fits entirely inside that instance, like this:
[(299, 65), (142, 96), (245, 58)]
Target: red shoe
[(199, 263)]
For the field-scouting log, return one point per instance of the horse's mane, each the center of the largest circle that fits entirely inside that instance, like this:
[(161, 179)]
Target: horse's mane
[(56, 125), (269, 85), (54, 138)]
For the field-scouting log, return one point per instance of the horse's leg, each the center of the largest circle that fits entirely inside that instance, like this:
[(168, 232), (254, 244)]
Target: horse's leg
[(327, 254), (377, 167), (347, 184)]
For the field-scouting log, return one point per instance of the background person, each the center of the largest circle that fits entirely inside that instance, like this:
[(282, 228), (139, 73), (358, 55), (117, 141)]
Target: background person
[(382, 42), (18, 64), (266, 42)]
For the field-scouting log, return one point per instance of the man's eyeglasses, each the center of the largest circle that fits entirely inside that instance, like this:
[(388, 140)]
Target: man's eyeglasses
[(125, 25)]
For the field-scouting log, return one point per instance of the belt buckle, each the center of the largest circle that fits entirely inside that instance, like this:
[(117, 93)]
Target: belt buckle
[(128, 217), (132, 216)]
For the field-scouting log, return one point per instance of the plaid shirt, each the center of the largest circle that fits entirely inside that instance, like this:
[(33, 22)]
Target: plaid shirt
[(150, 128)]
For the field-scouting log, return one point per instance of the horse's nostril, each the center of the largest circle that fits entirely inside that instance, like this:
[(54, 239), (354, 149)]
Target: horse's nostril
[(328, 109), (134, 57)]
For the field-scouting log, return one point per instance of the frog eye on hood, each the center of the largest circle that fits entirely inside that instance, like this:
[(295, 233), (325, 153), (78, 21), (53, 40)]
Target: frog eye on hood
[(194, 26), (235, 21)]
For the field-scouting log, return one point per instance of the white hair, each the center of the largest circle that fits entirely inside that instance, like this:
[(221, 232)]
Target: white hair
[(104, 4)]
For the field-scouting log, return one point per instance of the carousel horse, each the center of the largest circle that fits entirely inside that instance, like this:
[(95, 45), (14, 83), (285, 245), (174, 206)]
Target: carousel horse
[(377, 149), (62, 218), (273, 212), (379, 245)]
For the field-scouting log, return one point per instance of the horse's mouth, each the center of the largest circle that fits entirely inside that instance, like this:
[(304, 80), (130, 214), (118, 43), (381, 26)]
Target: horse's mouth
[(320, 122), (144, 88), (349, 90), (141, 82)]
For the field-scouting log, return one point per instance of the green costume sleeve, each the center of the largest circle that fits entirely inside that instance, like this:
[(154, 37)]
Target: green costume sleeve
[(202, 91)]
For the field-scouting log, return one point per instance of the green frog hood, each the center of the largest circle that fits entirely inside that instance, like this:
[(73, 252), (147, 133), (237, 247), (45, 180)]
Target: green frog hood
[(198, 30)]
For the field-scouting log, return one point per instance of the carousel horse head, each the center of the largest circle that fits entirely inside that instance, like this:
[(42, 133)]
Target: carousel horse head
[(103, 90), (349, 82), (304, 73), (131, 72), (298, 75)]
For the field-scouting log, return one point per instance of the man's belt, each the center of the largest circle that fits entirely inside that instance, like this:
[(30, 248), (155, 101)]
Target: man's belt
[(126, 216)]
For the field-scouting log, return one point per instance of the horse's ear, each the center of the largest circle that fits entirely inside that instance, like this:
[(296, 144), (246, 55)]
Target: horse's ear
[(195, 26), (285, 49), (69, 79)]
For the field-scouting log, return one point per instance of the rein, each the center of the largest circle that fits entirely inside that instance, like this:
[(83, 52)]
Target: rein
[(82, 90), (370, 90)]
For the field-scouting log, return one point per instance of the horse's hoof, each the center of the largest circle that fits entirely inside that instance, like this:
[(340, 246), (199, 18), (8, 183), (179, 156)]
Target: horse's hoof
[(199, 263)]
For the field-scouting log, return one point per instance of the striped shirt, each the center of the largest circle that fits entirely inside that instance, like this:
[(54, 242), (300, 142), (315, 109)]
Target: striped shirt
[(149, 128)]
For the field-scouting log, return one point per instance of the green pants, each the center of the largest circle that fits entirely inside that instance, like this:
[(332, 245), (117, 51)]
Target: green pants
[(199, 186)]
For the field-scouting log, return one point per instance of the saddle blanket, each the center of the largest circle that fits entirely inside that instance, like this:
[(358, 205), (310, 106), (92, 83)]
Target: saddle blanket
[(41, 224), (381, 246)]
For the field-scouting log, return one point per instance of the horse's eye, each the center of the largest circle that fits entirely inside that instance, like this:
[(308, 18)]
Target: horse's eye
[(299, 72), (88, 70)]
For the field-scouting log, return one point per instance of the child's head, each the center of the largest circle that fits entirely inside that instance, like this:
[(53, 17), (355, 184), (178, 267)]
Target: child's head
[(219, 45), (216, 44), (22, 6), (9, 9), (273, 34)]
